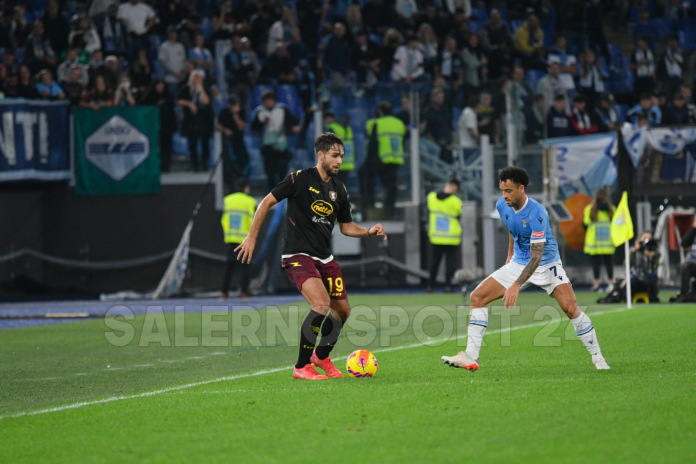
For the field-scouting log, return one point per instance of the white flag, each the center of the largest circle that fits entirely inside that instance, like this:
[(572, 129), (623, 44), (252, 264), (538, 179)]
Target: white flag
[(176, 271)]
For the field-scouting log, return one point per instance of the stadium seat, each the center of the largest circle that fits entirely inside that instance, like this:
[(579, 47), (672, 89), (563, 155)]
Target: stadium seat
[(19, 55), (157, 67), (686, 25), (633, 14), (687, 39), (621, 112), (662, 27), (480, 14), (616, 55), (475, 26), (505, 13), (516, 24), (38, 5)]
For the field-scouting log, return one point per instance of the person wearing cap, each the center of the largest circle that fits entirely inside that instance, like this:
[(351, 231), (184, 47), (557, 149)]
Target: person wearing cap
[(239, 209), (345, 133), (605, 114), (274, 122), (231, 124), (444, 231), (676, 113)]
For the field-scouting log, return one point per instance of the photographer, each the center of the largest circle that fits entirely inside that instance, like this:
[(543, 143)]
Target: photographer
[(644, 260)]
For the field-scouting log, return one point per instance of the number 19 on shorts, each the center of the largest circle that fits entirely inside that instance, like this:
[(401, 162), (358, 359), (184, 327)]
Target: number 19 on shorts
[(335, 286)]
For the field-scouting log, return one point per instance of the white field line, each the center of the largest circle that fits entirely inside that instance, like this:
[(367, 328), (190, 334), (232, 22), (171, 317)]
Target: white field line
[(257, 373)]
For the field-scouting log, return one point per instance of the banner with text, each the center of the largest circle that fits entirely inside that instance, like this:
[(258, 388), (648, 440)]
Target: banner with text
[(34, 140), (117, 151)]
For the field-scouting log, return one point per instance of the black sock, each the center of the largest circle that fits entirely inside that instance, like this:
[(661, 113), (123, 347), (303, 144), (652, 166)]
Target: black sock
[(308, 337), (330, 331)]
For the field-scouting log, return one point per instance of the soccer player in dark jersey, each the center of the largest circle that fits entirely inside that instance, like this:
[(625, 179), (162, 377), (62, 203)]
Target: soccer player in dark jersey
[(316, 199)]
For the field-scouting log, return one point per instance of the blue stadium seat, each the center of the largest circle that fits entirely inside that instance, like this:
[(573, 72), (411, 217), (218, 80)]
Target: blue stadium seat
[(206, 27), (633, 14), (662, 27), (159, 70), (532, 77), (456, 114), (475, 26), (480, 14), (38, 5), (687, 39), (516, 24), (19, 55), (686, 24), (621, 111), (616, 55), (505, 13), (627, 78)]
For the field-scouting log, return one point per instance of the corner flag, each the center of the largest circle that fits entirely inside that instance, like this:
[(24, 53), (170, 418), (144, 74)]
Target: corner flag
[(621, 223)]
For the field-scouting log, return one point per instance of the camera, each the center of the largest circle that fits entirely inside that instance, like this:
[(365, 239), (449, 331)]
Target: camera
[(649, 244)]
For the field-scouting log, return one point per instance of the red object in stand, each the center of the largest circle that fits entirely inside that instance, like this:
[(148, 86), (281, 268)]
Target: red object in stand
[(684, 222)]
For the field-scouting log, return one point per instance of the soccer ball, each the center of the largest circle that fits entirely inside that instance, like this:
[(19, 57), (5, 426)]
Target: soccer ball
[(361, 363)]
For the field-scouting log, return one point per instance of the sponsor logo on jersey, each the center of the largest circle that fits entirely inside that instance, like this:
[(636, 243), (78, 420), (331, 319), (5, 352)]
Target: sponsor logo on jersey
[(332, 195), (322, 208), (540, 220), (537, 235), (312, 189), (524, 223), (321, 220)]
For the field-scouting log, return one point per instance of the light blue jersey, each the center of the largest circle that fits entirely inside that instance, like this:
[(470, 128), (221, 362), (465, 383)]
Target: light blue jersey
[(527, 226)]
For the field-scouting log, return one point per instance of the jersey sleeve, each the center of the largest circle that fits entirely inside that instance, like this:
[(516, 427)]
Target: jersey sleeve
[(287, 188), (344, 214), (539, 222)]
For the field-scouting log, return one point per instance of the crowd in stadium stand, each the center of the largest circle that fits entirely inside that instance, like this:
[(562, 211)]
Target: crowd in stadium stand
[(552, 57)]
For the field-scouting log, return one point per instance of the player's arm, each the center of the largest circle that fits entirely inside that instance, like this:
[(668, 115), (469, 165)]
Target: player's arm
[(351, 229), (511, 249), (246, 248)]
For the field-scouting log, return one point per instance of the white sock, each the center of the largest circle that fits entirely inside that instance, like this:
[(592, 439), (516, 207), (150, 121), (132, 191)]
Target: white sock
[(586, 332), (478, 322)]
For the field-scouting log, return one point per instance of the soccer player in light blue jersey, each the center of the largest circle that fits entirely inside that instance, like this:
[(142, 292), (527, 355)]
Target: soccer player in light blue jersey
[(532, 259)]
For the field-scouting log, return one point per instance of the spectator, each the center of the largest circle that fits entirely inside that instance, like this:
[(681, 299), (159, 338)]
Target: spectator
[(494, 32), (99, 8), (25, 87), (113, 33), (643, 29), (405, 12), (124, 93), (73, 85), (159, 95), (113, 78), (463, 6), (675, 10), (436, 125), (467, 126), (591, 79), (645, 109), (606, 116), (8, 69), (365, 57), (172, 57), (337, 58), (139, 19), (392, 41), (535, 119), (309, 13), (474, 66), (529, 37), (669, 70), (100, 97), (486, 117), (551, 86), (660, 101), (500, 61), (520, 92), (47, 87), (450, 64), (274, 123), (39, 51), (20, 28), (676, 113), (56, 26), (405, 114), (83, 33), (557, 121), (280, 67), (643, 67), (567, 61), (71, 59), (408, 62), (198, 119), (378, 16), (259, 27), (429, 47), (594, 16), (141, 73), (175, 12), (219, 33), (200, 55), (687, 92), (572, 20), (97, 68), (461, 29), (354, 20), (581, 120), (284, 30), (231, 124)]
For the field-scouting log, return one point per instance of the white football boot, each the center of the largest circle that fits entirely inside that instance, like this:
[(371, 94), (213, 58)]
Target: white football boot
[(461, 360), (600, 363)]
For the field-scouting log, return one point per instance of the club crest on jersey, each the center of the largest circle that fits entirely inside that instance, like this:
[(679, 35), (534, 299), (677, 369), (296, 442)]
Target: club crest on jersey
[(332, 195), (322, 208), (524, 223)]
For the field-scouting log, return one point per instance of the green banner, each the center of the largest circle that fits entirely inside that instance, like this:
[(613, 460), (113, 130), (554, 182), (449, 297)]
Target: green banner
[(117, 151)]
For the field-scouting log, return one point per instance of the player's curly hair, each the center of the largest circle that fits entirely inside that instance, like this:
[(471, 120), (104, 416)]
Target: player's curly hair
[(325, 141), (514, 173)]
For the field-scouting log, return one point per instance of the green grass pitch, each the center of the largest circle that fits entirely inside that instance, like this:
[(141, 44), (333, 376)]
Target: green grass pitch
[(536, 398)]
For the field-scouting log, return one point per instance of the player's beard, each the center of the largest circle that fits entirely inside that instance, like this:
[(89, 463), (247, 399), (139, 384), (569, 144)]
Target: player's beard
[(328, 169)]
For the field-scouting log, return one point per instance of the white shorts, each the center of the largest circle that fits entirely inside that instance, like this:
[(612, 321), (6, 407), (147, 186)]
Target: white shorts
[(547, 276)]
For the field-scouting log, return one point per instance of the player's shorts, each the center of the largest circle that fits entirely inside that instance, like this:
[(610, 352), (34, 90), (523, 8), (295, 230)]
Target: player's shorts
[(299, 268), (547, 276)]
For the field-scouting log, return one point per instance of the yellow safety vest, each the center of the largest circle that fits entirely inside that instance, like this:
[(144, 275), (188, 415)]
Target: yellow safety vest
[(237, 217), (390, 137), (444, 223), (598, 236), (346, 134)]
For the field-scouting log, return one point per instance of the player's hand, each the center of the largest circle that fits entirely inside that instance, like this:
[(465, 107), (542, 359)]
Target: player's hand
[(246, 250), (377, 231), (510, 296)]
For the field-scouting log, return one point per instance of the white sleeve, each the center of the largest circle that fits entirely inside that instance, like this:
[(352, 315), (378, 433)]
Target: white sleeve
[(471, 120)]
